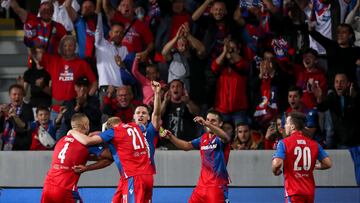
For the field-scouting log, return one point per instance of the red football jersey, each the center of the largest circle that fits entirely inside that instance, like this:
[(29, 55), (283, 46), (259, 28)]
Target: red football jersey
[(37, 32), (130, 150), (68, 152), (137, 36), (214, 158), (299, 154)]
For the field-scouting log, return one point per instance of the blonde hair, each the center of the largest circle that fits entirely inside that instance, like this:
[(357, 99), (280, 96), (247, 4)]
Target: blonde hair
[(111, 122), (77, 120), (65, 39)]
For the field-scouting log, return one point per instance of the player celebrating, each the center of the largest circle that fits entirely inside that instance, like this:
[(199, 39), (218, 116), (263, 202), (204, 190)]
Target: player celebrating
[(142, 117), (214, 151), (130, 151), (298, 154), (61, 181)]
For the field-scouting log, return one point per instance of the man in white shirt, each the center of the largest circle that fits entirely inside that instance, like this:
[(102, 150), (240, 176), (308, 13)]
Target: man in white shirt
[(110, 55)]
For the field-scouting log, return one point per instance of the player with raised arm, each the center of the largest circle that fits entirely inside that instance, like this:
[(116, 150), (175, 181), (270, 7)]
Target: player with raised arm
[(61, 181), (142, 117), (214, 150), (297, 154), (131, 154)]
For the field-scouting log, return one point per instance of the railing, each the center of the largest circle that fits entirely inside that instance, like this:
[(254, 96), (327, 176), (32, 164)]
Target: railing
[(174, 168)]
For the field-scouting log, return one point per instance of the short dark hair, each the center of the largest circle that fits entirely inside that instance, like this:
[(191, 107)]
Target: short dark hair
[(92, 1), (17, 86), (178, 80), (350, 29), (298, 119), (152, 65), (296, 89), (242, 123), (219, 115), (311, 51), (117, 23), (145, 106), (219, 1), (42, 108)]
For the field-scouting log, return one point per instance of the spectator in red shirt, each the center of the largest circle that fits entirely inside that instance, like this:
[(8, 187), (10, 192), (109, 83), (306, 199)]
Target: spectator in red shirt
[(123, 105), (170, 24), (270, 90), (40, 29), (43, 125), (64, 70), (231, 98), (309, 75), (138, 38)]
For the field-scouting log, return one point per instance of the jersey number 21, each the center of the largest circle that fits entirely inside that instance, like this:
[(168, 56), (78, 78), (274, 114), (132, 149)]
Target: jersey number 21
[(136, 138)]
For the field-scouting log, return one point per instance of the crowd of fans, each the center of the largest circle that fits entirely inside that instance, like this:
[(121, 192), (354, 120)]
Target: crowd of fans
[(253, 61)]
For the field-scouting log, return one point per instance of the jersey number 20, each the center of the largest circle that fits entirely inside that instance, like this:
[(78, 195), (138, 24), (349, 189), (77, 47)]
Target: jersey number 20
[(135, 134), (62, 153), (305, 154)]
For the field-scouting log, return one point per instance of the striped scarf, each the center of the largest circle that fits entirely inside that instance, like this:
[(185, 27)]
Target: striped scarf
[(9, 133)]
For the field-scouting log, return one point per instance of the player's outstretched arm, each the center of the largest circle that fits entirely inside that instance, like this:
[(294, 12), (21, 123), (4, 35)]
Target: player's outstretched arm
[(84, 139), (181, 144), (215, 129), (156, 115), (276, 166), (326, 163)]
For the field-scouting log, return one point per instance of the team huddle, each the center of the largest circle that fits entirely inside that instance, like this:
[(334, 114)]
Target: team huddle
[(132, 147)]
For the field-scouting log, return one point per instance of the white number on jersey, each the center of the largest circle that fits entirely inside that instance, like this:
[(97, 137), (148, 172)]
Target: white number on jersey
[(135, 134), (62, 153), (124, 199), (305, 154)]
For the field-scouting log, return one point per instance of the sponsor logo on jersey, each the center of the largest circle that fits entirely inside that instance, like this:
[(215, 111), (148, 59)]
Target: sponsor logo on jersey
[(209, 147)]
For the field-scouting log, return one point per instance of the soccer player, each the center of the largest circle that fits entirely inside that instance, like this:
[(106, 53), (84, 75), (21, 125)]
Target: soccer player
[(142, 117), (298, 154), (61, 181), (130, 151), (150, 130), (214, 151)]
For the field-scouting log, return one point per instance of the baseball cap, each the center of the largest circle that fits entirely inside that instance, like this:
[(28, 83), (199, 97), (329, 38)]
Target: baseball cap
[(82, 80)]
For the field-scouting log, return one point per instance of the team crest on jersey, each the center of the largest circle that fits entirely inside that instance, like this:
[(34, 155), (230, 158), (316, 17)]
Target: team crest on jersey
[(67, 75), (301, 141)]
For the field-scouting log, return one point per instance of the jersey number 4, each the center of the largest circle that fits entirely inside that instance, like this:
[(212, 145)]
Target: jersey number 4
[(62, 153), (305, 154), (133, 132)]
